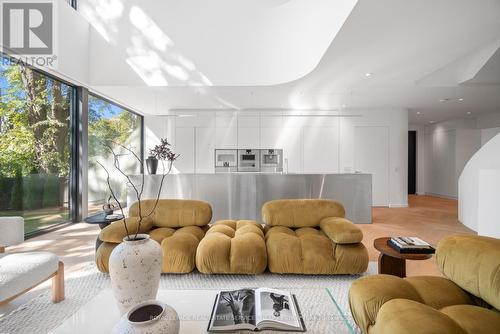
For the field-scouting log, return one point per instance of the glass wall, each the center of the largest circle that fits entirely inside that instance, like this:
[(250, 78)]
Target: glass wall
[(116, 128), (35, 152)]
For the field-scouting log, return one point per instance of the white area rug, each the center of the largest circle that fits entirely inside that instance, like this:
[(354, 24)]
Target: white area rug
[(39, 315)]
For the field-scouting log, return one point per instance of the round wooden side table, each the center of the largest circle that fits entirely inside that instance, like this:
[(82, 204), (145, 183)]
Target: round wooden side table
[(392, 262)]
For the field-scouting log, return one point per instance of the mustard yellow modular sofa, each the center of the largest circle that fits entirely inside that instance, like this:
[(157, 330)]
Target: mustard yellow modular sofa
[(177, 225), (311, 236), (232, 247), (465, 301)]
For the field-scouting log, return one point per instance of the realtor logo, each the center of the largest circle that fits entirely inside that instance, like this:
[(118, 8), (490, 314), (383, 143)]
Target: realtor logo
[(28, 33), (27, 27)]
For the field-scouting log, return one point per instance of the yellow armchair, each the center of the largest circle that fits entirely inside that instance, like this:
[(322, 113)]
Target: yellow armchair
[(465, 301)]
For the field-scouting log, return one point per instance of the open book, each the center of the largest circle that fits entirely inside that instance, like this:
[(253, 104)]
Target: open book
[(256, 309)]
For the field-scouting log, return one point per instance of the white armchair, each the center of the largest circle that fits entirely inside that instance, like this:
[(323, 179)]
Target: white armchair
[(22, 271), (11, 231)]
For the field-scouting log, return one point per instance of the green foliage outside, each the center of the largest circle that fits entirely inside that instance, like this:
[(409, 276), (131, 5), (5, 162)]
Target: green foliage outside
[(108, 124), (35, 113), (16, 200), (35, 123)]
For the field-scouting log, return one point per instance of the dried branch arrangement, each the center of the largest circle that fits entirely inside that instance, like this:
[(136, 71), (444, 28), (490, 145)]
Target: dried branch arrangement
[(162, 152)]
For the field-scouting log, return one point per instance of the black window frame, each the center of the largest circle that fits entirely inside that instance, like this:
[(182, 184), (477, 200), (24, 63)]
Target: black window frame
[(79, 93), (105, 99)]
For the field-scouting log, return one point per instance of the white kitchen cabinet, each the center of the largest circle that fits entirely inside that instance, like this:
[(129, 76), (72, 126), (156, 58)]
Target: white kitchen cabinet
[(248, 138), (226, 130), (248, 131), (292, 150), (270, 138), (205, 147), (185, 146), (321, 149)]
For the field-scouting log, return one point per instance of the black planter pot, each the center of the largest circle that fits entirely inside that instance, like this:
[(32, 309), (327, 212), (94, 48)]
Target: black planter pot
[(152, 165)]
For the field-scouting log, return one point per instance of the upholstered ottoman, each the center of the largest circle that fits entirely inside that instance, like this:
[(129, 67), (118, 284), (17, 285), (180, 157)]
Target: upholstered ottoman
[(232, 247)]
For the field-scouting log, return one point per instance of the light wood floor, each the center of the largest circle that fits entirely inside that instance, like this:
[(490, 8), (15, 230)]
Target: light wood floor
[(429, 218)]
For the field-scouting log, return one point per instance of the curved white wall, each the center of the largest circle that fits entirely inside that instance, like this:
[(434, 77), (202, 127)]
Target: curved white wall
[(479, 190)]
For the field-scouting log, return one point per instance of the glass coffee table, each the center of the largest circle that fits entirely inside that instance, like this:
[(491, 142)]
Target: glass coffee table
[(320, 311)]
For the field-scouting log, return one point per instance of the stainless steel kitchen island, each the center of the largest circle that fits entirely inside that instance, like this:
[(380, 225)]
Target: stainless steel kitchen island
[(241, 195)]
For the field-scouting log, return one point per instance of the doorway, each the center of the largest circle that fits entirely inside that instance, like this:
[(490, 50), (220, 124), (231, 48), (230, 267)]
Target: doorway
[(412, 162)]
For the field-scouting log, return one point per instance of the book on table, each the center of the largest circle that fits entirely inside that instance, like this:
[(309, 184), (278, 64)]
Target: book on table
[(255, 310), (410, 245)]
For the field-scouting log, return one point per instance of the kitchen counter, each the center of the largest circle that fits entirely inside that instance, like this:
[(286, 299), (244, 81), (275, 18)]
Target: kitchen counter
[(241, 195)]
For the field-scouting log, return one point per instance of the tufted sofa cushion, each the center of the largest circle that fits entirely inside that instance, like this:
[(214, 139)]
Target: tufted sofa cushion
[(179, 249), (232, 247), (341, 230), (309, 250), (175, 213), (300, 212), (473, 263), (20, 271), (116, 231)]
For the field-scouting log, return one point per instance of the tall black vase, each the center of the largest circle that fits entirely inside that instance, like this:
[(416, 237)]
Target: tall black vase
[(152, 165)]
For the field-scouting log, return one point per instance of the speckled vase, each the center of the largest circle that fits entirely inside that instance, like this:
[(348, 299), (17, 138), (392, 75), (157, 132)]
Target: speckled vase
[(150, 317), (135, 270), (155, 318)]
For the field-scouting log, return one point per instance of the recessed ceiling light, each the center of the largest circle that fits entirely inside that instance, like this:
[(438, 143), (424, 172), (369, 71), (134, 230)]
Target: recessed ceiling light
[(469, 112), (461, 99), (368, 74), (432, 122), (418, 112), (444, 100)]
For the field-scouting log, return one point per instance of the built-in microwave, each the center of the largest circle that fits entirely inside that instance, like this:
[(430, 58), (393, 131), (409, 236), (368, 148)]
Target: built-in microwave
[(248, 160), (226, 160), (271, 160)]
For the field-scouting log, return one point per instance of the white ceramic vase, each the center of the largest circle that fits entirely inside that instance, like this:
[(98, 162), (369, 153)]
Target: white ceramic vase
[(151, 317), (135, 270)]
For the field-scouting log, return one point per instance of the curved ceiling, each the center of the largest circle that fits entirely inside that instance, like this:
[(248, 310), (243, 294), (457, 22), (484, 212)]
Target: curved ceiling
[(400, 43), (209, 43)]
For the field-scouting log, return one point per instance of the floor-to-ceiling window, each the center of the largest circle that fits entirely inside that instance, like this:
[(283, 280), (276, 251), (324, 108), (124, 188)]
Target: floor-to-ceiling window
[(111, 127), (35, 151)]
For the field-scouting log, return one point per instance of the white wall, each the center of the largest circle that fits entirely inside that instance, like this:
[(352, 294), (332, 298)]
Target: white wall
[(440, 144), (479, 192), (71, 47), (311, 144), (487, 134), (447, 147), (490, 120), (489, 125)]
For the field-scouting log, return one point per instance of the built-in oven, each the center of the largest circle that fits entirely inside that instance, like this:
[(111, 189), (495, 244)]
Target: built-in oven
[(271, 161), (226, 161), (248, 160)]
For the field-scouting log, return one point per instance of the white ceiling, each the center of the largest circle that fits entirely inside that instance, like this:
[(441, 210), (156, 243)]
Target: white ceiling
[(209, 43), (417, 52)]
